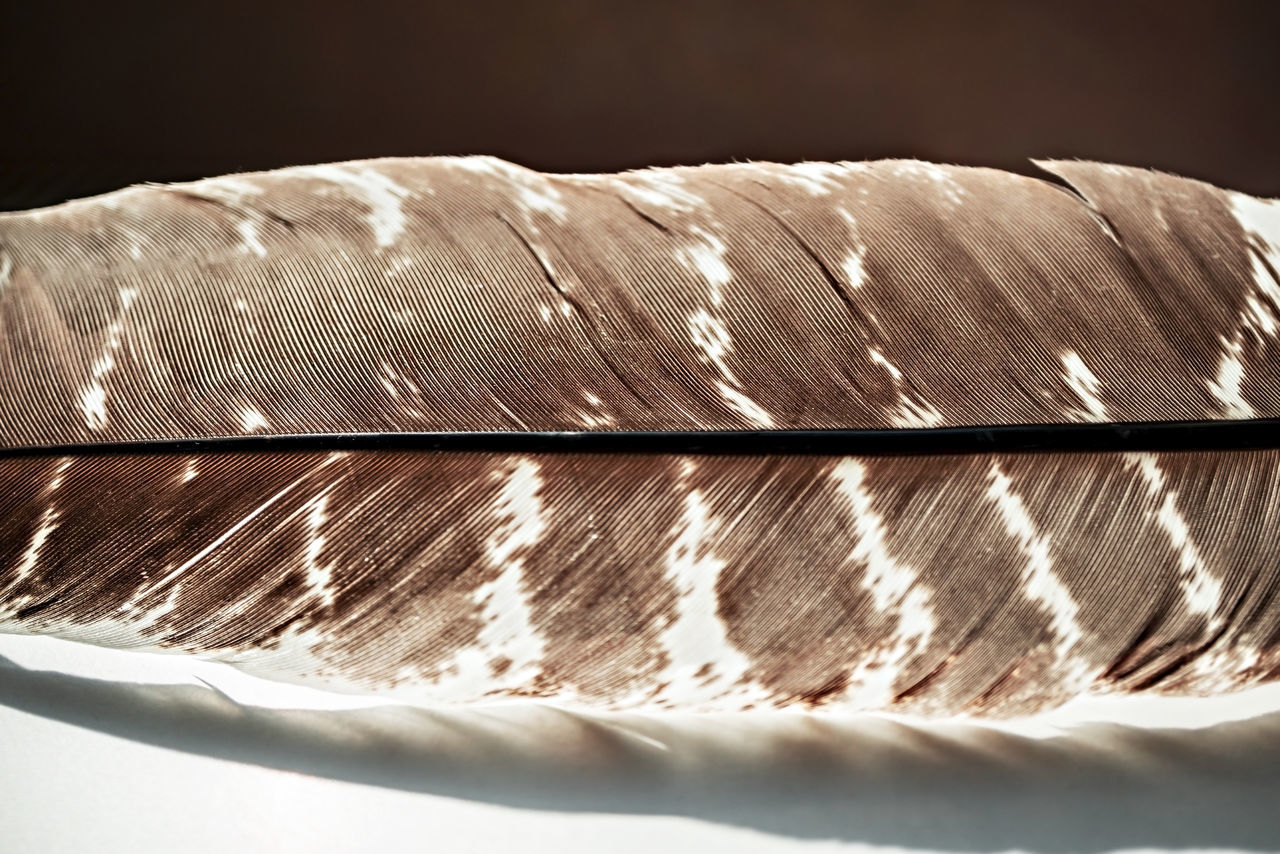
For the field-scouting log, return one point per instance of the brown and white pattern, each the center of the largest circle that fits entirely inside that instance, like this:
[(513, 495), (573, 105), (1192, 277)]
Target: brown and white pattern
[(469, 294), (931, 585)]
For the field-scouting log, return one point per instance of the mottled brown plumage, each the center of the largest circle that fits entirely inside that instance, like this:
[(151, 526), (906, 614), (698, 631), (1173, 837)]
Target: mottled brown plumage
[(451, 295)]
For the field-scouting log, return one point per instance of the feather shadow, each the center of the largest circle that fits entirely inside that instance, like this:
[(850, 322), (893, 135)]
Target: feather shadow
[(866, 779)]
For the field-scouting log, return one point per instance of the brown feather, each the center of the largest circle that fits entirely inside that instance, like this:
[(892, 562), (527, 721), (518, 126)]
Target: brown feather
[(443, 295)]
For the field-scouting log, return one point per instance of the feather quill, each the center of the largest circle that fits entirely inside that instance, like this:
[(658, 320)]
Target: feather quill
[(470, 296)]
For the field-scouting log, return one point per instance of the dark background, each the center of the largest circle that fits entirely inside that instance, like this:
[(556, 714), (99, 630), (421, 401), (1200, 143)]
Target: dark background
[(98, 95)]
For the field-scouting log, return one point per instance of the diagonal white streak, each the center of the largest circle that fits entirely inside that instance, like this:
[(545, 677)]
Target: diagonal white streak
[(48, 523), (703, 665), (508, 635), (1227, 385), (318, 576), (251, 420), (383, 196), (705, 257), (217, 542), (1201, 589), (707, 330), (251, 242), (895, 588), (909, 414), (230, 190), (1041, 584), (1085, 384), (663, 188), (534, 190), (816, 179), (93, 397), (31, 556), (1260, 316), (853, 266)]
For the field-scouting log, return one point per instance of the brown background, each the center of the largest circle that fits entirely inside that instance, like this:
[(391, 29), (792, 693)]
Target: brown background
[(98, 95)]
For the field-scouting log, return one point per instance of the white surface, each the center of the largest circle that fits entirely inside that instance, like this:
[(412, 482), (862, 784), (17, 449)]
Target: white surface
[(112, 766), (68, 789)]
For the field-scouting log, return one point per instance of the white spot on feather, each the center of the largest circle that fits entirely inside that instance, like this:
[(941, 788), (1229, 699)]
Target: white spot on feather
[(1201, 590), (879, 359), (250, 242), (1041, 584), (1259, 317), (1085, 384), (534, 191), (93, 397), (93, 402), (251, 420), (710, 336), (229, 189), (706, 258), (31, 556), (915, 415), (745, 406), (1221, 670), (662, 188), (6, 270), (393, 382), (1226, 386), (1260, 220), (593, 422), (398, 266), (852, 267), (816, 179), (382, 195), (940, 176), (58, 474), (894, 587)]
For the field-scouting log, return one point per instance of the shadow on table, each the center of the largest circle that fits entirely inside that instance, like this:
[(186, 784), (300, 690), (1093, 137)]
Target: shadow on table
[(861, 779)]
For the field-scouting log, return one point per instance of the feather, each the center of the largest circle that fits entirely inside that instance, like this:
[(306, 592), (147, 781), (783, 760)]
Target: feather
[(153, 342)]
